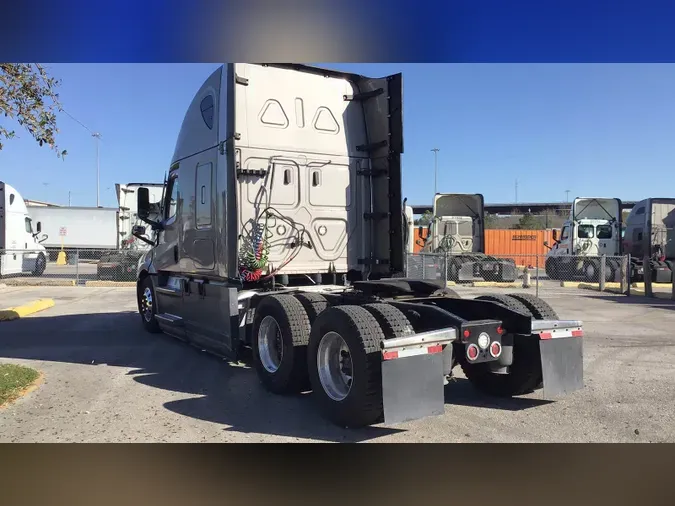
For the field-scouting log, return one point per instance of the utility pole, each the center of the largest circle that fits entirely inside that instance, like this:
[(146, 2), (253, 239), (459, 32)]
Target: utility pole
[(97, 136), (516, 191), (68, 198), (567, 195), (435, 150)]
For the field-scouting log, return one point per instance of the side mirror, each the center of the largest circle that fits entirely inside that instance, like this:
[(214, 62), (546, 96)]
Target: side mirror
[(138, 230), (419, 231), (143, 202), (38, 227)]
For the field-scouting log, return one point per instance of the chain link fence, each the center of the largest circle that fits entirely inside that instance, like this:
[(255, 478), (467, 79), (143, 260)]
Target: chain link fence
[(69, 266), (535, 273)]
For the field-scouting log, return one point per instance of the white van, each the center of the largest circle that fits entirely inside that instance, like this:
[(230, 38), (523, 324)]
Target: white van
[(20, 249)]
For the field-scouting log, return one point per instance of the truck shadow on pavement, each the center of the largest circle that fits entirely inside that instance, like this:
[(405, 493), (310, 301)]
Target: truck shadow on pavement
[(639, 300), (227, 393), (223, 392), (460, 392)]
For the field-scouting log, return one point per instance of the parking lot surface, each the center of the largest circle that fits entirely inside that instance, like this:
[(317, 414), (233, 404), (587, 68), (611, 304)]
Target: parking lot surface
[(105, 380)]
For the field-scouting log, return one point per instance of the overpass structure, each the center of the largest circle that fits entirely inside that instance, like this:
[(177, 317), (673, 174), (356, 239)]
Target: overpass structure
[(522, 207)]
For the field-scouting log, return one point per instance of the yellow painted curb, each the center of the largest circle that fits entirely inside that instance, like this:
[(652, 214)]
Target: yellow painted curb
[(477, 284), (109, 283), (14, 313), (451, 283)]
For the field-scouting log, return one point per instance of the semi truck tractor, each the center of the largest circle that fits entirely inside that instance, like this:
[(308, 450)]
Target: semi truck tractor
[(21, 251), (592, 230), (457, 229), (650, 233), (282, 231)]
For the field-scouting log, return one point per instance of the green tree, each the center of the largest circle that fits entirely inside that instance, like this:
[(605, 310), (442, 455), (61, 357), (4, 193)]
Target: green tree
[(529, 222), (425, 219), (28, 96), (491, 221)]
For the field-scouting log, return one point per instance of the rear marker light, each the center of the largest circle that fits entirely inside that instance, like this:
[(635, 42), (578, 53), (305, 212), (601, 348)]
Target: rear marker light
[(495, 349), (467, 334), (500, 330), (472, 352)]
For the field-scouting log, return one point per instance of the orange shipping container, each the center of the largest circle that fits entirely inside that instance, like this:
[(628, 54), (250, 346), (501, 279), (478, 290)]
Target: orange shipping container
[(524, 246)]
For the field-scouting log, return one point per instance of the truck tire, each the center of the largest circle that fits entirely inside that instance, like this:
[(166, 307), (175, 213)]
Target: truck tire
[(592, 271), (279, 342), (552, 268), (40, 265), (507, 301), (345, 366), (313, 303), (538, 308), (147, 305), (392, 321), (524, 374)]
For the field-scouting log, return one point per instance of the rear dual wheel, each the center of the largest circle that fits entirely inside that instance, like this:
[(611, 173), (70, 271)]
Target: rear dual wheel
[(337, 356)]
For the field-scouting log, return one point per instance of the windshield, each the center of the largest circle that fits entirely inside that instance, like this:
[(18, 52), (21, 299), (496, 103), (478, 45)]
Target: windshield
[(586, 232), (604, 231)]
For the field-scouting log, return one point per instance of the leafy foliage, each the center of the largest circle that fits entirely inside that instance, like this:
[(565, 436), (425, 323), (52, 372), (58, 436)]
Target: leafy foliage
[(529, 221), (425, 219), (28, 95)]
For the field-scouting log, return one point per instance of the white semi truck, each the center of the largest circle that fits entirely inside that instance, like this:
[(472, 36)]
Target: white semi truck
[(457, 230), (20, 248), (282, 230), (593, 230)]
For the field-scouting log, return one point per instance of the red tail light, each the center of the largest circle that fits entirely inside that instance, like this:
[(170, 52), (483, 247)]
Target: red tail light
[(495, 349), (467, 334), (500, 330), (472, 352)]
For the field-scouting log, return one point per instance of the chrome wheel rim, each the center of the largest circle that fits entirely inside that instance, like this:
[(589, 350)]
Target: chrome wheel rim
[(590, 271), (270, 344), (146, 304), (334, 364)]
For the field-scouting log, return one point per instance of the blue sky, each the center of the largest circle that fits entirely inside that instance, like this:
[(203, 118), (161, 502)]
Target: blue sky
[(593, 129)]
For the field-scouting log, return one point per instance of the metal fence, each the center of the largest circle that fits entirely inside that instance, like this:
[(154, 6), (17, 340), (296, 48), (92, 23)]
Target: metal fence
[(537, 273), (69, 266)]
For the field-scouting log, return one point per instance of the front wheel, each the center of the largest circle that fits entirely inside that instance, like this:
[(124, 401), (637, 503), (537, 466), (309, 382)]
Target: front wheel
[(40, 265), (147, 305)]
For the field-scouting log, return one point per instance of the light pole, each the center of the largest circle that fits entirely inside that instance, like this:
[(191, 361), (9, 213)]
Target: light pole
[(435, 150), (567, 195), (97, 136)]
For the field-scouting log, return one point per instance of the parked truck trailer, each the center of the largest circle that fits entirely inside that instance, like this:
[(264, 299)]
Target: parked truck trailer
[(650, 234), (89, 230), (283, 231)]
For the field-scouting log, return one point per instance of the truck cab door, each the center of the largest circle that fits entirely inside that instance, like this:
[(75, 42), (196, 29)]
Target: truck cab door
[(169, 287)]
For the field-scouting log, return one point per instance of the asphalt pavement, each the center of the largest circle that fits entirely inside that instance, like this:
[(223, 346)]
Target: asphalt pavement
[(106, 380)]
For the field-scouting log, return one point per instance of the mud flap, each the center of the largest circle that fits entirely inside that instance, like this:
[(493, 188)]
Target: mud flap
[(561, 366), (412, 388)]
